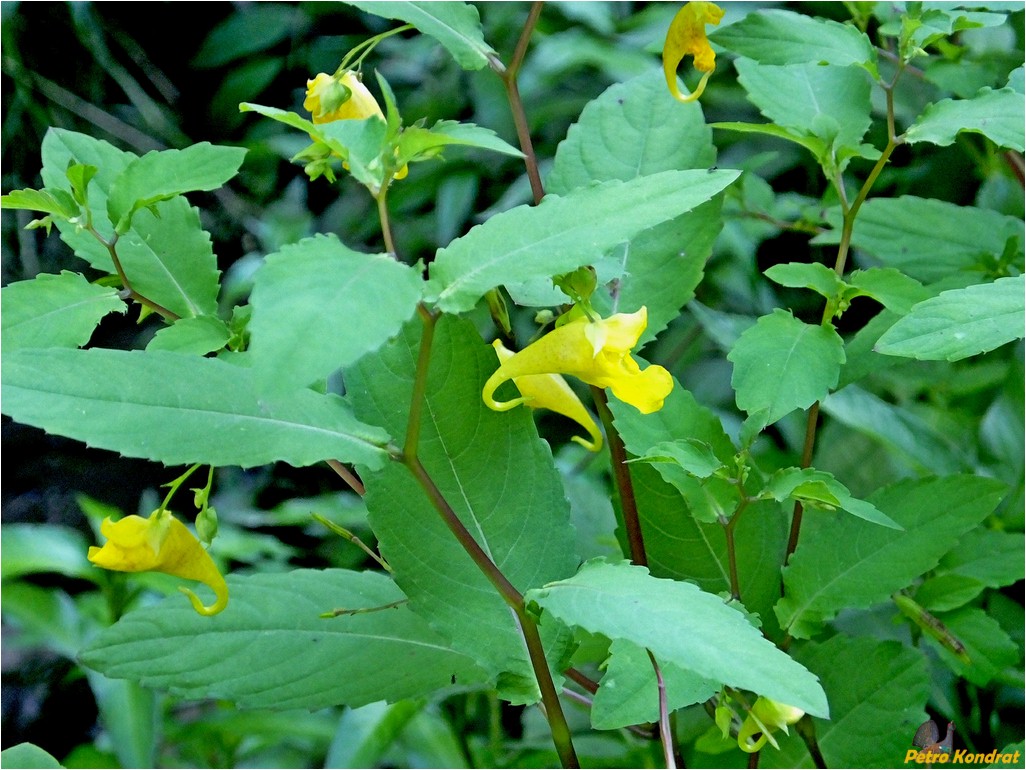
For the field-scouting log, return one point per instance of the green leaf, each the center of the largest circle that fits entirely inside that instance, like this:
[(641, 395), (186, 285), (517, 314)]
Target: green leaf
[(998, 115), (166, 255), (991, 557), (960, 322), (844, 562), (33, 548), (63, 149), (28, 755), (415, 141), (929, 239), (195, 336), (813, 144), (455, 25), (681, 547), (876, 687), (563, 233), (989, 648), (904, 432), (686, 463), (495, 473), (678, 545), (807, 275), (819, 489), (628, 693), (56, 202), (271, 648), (890, 287), (831, 103), (682, 625), (180, 409), (158, 176), (632, 130), (54, 311), (364, 144), (782, 364), (785, 37), (319, 306), (693, 456)]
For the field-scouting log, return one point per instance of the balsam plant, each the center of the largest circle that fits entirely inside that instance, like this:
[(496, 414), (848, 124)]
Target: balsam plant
[(742, 612)]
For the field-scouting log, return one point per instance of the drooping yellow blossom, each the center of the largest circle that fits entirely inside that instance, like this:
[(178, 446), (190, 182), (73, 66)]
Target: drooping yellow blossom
[(765, 717), (685, 36), (160, 543), (551, 391), (331, 98), (597, 352)]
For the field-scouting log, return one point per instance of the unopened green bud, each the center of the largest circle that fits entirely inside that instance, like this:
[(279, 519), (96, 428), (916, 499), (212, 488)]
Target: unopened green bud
[(206, 525)]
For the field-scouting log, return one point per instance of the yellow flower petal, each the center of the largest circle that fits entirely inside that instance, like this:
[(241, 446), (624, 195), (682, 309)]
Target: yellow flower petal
[(686, 36), (570, 349), (160, 543), (551, 391), (323, 103)]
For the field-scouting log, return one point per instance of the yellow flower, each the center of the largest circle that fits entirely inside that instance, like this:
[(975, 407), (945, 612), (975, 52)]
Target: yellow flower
[(344, 98), (160, 543), (550, 391), (765, 717), (597, 352), (687, 36)]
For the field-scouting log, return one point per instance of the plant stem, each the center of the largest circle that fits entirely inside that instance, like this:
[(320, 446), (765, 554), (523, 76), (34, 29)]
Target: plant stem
[(811, 422), (665, 733), (129, 292), (728, 528), (386, 228), (509, 80), (412, 442), (622, 476), (840, 264), (347, 476), (514, 599), (574, 675), (807, 730)]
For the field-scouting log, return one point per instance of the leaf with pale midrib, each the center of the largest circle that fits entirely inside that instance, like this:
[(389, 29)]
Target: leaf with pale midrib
[(271, 649), (497, 475)]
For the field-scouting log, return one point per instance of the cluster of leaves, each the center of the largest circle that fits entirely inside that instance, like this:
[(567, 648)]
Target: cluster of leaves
[(904, 507)]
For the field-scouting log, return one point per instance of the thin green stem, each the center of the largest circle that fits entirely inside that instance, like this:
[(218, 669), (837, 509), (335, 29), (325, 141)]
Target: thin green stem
[(811, 422), (347, 535), (412, 442), (366, 47), (728, 528), (665, 733), (176, 485), (386, 227), (622, 477), (129, 292), (840, 264)]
